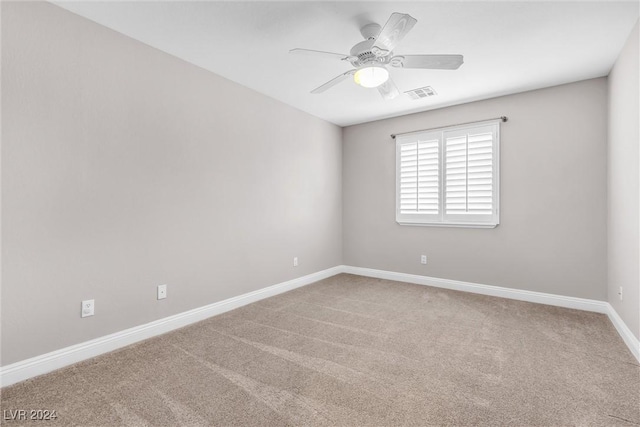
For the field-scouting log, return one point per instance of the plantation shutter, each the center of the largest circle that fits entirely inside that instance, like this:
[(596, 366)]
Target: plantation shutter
[(418, 177), (470, 175), (449, 176)]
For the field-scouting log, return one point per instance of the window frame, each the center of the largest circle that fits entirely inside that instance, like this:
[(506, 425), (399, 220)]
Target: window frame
[(442, 219)]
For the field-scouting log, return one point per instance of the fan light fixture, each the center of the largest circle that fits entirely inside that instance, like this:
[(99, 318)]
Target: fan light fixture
[(371, 76), (372, 57)]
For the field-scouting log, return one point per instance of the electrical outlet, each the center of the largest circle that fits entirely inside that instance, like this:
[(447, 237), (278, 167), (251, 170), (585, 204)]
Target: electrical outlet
[(88, 308), (162, 291), (295, 261), (620, 293), (423, 259)]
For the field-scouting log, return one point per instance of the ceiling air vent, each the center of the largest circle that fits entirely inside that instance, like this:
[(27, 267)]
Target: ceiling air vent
[(423, 92)]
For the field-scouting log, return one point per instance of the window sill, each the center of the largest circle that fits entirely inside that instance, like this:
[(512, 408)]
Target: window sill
[(448, 224)]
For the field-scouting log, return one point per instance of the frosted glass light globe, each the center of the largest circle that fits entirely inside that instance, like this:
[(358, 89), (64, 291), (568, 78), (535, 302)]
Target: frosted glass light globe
[(371, 76)]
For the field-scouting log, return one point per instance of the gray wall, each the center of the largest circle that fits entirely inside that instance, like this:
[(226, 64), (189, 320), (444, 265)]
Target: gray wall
[(124, 167), (552, 235), (624, 181)]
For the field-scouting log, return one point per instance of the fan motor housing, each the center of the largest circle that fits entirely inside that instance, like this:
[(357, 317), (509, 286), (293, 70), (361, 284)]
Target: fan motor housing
[(362, 51)]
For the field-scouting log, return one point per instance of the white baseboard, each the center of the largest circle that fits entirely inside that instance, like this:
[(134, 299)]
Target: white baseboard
[(627, 336), (530, 296), (57, 359), (496, 291), (42, 364)]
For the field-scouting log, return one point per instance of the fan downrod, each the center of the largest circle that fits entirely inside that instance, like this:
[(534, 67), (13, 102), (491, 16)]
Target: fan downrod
[(370, 31)]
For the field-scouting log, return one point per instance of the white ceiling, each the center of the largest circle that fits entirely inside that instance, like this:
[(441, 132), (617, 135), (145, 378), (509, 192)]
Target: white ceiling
[(508, 46)]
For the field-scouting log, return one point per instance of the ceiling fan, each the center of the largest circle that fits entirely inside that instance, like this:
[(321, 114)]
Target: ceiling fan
[(372, 56)]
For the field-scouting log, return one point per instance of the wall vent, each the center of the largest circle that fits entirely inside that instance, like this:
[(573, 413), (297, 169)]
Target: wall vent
[(423, 92)]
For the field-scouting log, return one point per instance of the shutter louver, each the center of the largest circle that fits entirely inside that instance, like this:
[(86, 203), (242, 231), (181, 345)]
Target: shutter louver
[(419, 177), (469, 174)]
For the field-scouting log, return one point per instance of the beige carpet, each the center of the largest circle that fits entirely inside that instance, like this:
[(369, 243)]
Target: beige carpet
[(350, 351)]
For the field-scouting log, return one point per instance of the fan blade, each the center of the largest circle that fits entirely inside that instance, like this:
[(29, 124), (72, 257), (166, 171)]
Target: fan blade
[(331, 83), (340, 56), (434, 62), (392, 33), (388, 89)]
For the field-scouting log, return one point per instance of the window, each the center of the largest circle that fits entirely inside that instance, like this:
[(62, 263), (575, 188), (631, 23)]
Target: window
[(449, 176)]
